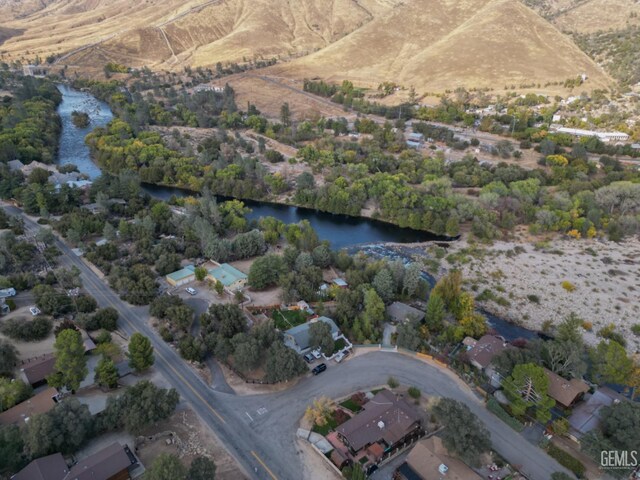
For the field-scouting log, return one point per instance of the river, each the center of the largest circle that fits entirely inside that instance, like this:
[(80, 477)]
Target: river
[(72, 147), (342, 231)]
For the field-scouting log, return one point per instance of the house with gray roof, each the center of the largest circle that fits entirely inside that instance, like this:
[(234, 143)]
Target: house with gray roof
[(298, 337), (400, 312)]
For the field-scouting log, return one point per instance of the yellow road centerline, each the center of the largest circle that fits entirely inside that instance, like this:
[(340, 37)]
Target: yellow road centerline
[(264, 465), (156, 351)]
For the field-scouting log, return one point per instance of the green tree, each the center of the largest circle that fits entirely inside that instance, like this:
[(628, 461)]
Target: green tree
[(106, 373), (285, 115), (200, 273), (138, 407), (202, 468), (373, 314), (449, 289), (464, 434), (434, 315), (320, 337), (610, 363), (384, 285), (411, 281), (12, 456), (621, 424), (527, 387), (140, 353), (12, 392), (265, 272), (64, 429), (283, 363), (247, 352), (71, 364), (8, 358), (166, 466), (219, 287)]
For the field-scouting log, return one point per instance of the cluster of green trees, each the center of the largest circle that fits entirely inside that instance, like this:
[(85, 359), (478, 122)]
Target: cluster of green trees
[(29, 124), (224, 333), (70, 425), (450, 316), (464, 434)]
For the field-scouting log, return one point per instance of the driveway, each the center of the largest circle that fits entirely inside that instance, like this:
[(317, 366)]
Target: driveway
[(386, 334), (284, 409), (259, 430)]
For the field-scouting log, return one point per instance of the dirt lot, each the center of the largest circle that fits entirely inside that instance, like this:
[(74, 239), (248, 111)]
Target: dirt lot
[(190, 439), (242, 388), (268, 96), (602, 281), (27, 349)]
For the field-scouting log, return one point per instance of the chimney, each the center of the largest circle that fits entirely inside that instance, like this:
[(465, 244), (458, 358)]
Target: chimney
[(380, 424)]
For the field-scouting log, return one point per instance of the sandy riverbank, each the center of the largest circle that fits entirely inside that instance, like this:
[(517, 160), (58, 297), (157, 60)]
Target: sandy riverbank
[(527, 282)]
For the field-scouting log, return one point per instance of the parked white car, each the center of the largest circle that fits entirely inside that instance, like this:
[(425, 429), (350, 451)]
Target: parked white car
[(316, 354), (341, 356), (191, 291), (34, 311)]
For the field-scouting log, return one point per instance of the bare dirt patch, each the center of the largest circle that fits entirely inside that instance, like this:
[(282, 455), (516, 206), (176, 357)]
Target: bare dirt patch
[(313, 466), (530, 282), (241, 387), (189, 439)]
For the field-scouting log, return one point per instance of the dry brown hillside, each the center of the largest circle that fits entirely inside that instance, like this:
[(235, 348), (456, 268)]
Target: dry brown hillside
[(597, 15), (431, 44), (451, 43)]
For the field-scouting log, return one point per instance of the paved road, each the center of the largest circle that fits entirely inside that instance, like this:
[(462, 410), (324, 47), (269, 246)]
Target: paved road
[(259, 430)]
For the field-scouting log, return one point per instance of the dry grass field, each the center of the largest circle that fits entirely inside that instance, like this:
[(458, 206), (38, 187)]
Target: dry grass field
[(431, 45), (588, 16)]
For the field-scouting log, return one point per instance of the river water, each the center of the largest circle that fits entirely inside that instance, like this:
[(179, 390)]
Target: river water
[(72, 147), (342, 231)]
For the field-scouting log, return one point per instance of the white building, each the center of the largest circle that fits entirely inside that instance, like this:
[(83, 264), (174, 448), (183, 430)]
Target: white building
[(604, 136)]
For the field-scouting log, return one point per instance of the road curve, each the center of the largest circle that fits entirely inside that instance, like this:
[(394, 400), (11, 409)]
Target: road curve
[(259, 430)]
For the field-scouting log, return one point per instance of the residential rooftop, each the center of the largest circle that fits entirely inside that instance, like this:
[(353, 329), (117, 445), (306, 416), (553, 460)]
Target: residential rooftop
[(227, 274), (40, 403), (385, 417), (182, 273)]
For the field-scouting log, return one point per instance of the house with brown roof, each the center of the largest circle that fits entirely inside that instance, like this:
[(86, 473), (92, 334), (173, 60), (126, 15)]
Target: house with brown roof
[(565, 392), (485, 350), (386, 420), (36, 370), (51, 467), (429, 459), (111, 463), (39, 403)]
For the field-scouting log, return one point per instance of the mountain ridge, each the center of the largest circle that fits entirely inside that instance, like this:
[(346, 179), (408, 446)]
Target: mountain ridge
[(432, 45)]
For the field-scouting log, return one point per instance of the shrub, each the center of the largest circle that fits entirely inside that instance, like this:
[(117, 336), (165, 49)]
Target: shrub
[(568, 286), (103, 337), (566, 460), (28, 330), (494, 407), (610, 333), (414, 392), (533, 298), (86, 304), (106, 318), (588, 326), (636, 329), (392, 382)]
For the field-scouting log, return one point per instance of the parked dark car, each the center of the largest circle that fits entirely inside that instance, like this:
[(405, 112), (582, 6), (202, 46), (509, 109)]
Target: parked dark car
[(319, 369)]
